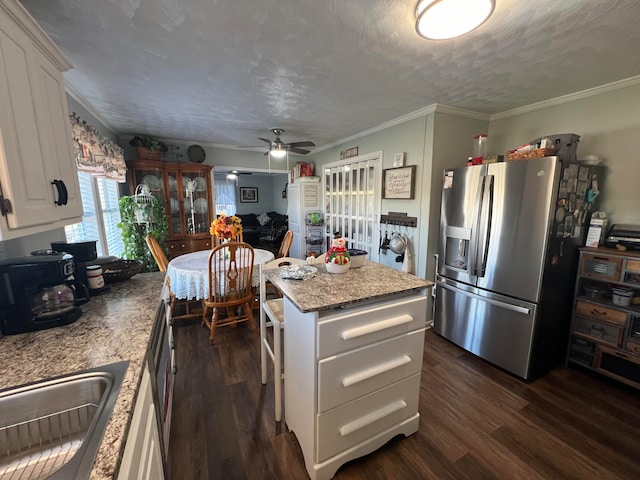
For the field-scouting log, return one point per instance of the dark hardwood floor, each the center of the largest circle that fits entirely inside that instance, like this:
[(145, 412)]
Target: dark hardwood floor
[(477, 422)]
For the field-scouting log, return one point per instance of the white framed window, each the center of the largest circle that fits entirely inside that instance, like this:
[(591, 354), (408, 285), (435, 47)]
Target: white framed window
[(101, 215), (225, 191)]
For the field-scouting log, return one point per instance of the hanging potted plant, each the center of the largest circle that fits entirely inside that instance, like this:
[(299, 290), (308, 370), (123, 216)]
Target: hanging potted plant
[(134, 231), (148, 148)]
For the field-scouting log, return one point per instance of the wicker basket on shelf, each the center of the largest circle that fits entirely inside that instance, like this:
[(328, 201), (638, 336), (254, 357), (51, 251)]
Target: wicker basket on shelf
[(314, 240), (144, 153), (536, 153)]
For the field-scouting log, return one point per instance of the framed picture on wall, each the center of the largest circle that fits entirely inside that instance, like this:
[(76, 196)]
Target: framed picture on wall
[(399, 183), (248, 195)]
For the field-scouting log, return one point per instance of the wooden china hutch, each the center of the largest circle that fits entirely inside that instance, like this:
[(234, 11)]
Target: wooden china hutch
[(186, 190)]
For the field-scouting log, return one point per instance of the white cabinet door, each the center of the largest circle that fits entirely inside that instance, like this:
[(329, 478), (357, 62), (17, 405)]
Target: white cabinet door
[(35, 136), (55, 136), (142, 457)]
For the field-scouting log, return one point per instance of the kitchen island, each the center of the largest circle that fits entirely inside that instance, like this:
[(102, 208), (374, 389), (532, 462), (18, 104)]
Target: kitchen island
[(353, 358), (114, 327)]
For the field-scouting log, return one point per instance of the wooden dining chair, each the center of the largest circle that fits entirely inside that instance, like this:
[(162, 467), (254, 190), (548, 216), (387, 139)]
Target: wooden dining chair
[(272, 315), (285, 246), (230, 290), (215, 240), (179, 309), (157, 252), (319, 258)]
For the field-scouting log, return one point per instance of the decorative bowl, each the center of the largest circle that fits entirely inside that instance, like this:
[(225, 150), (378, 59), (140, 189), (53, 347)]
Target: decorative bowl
[(336, 268), (120, 270)]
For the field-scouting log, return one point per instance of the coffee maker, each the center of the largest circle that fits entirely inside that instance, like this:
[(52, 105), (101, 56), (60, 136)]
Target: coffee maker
[(37, 293), (84, 253)]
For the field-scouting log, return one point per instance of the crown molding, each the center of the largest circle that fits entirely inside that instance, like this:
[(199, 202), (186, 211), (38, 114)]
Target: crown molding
[(459, 112), (571, 97), (383, 126), (422, 112), (73, 93)]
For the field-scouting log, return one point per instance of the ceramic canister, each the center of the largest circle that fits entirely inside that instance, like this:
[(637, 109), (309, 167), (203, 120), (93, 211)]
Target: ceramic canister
[(94, 277)]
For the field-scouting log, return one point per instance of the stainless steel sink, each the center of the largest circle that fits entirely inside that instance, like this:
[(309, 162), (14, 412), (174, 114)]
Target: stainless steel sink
[(53, 429)]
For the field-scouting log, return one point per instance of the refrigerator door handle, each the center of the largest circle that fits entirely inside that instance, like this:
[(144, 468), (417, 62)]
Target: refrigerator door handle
[(509, 306), (486, 213), (473, 249)]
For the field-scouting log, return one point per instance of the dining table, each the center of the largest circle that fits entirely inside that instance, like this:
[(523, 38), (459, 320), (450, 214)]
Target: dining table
[(189, 273)]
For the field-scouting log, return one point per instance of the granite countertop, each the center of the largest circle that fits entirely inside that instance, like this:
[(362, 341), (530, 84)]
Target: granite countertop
[(115, 326), (327, 291)]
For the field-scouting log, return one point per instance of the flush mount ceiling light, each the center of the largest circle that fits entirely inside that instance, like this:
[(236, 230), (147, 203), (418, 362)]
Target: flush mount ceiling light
[(442, 19)]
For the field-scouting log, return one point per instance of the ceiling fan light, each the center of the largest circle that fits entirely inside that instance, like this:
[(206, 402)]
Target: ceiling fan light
[(442, 19), (278, 152)]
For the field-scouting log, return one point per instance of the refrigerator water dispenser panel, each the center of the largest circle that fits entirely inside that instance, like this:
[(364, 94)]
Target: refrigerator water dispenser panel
[(457, 247)]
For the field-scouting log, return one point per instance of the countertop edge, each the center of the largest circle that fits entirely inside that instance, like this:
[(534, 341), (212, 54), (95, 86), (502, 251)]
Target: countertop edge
[(331, 291), (115, 326)]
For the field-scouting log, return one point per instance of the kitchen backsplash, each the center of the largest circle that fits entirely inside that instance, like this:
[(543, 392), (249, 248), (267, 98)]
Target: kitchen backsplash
[(24, 245)]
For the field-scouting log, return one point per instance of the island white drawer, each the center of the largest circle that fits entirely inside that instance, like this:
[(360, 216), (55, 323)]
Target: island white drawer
[(350, 375), (361, 326), (357, 421)]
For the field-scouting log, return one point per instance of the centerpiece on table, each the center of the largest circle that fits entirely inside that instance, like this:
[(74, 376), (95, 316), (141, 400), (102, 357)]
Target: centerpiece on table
[(337, 259), (226, 228)]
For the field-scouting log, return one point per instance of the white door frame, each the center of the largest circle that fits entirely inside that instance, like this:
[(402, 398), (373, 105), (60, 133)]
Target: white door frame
[(352, 203)]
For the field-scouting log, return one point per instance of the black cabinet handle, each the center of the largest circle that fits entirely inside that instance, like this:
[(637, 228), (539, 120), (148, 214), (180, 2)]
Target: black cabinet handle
[(63, 195)]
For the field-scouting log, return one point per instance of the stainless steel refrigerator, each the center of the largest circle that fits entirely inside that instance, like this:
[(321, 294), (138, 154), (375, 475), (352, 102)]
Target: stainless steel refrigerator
[(509, 234)]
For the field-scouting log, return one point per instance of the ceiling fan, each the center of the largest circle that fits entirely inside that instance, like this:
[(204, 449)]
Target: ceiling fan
[(278, 148)]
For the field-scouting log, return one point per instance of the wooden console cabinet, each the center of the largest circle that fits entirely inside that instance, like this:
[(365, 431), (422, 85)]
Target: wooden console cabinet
[(605, 336), (189, 214)]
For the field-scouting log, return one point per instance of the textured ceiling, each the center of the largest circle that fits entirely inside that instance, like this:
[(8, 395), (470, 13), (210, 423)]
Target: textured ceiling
[(227, 71)]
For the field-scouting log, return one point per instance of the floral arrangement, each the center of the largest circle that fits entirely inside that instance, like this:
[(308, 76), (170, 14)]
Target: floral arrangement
[(226, 227)]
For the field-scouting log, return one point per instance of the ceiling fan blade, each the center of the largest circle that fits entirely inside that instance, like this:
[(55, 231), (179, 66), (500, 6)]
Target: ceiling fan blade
[(302, 144), (298, 150), (249, 146), (265, 140)]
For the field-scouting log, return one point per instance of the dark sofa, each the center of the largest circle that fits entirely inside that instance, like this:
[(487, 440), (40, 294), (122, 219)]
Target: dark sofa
[(268, 235)]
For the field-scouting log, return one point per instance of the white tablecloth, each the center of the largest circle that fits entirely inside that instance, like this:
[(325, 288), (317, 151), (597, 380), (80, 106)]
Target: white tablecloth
[(189, 274)]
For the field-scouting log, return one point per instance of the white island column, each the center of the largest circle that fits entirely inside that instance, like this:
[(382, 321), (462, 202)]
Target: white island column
[(353, 357)]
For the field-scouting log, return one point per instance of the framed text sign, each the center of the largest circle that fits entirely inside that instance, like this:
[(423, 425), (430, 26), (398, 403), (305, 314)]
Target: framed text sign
[(399, 183)]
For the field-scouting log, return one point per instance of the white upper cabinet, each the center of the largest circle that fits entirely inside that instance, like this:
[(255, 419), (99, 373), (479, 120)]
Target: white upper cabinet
[(38, 175)]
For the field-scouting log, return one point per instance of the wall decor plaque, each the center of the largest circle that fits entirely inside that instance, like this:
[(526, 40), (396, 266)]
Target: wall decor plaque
[(399, 183)]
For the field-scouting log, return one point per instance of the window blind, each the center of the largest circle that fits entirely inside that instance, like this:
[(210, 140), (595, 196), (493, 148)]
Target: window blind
[(101, 215)]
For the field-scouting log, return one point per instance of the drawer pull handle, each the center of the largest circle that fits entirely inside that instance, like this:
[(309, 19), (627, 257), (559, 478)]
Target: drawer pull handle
[(372, 417), (376, 370), (598, 312), (376, 327), (173, 365)]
